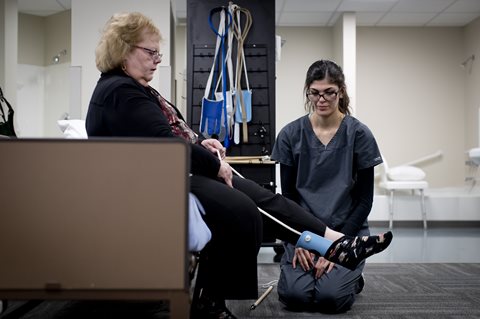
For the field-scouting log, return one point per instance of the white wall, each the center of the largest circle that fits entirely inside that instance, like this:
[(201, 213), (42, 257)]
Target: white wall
[(57, 91), (9, 49), (42, 86), (302, 47), (424, 62), (47, 91), (181, 69), (29, 110), (31, 39), (58, 34), (411, 94), (2, 43), (87, 24), (42, 99), (348, 57), (472, 85)]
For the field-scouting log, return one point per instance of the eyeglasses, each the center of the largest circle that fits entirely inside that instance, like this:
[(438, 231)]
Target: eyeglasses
[(153, 53), (314, 96)]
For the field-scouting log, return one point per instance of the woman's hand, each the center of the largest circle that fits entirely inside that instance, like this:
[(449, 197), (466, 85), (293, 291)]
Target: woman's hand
[(304, 258), (323, 266), (225, 173), (213, 146)]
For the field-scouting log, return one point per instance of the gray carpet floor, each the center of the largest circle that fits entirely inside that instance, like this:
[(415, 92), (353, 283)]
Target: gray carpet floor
[(396, 291)]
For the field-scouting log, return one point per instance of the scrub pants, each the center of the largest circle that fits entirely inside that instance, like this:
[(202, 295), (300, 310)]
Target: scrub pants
[(228, 268), (332, 293)]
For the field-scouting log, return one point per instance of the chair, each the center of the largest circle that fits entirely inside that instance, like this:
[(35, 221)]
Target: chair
[(97, 219), (403, 178)]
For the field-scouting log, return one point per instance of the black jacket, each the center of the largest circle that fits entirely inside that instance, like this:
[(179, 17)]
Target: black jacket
[(122, 107)]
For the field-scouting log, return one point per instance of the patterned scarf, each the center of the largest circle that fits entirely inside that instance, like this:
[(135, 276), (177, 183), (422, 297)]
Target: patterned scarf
[(179, 127)]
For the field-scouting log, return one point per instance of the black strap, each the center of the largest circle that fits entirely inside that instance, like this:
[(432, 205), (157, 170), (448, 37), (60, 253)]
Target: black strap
[(2, 113), (6, 123)]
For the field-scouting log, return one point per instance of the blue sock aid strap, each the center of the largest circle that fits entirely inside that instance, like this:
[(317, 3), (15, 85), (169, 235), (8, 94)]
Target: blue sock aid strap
[(313, 242)]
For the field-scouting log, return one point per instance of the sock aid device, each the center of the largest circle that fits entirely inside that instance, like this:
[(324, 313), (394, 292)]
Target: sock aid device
[(313, 242)]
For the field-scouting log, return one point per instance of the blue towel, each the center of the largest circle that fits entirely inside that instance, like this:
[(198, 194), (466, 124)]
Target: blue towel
[(198, 232)]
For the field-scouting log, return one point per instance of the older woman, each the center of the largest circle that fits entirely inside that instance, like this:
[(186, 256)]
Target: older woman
[(123, 104)]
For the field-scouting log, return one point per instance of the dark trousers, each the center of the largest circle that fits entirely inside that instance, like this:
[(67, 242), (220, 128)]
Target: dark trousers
[(228, 264), (283, 209), (229, 261)]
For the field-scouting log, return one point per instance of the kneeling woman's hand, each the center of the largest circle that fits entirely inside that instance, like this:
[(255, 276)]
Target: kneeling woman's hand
[(323, 266), (304, 258)]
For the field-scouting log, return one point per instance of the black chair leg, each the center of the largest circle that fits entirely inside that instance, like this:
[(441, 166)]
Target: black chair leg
[(19, 311), (198, 285), (3, 305)]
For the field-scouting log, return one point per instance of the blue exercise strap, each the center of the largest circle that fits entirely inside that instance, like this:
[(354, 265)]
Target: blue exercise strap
[(212, 110)]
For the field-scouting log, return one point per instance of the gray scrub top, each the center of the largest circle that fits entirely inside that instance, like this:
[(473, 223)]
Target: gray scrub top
[(326, 173)]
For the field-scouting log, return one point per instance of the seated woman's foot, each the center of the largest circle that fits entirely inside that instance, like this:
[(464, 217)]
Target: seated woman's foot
[(350, 251), (205, 308)]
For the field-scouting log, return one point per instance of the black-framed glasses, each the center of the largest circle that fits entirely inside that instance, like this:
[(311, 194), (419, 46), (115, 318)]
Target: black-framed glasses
[(314, 96), (153, 53)]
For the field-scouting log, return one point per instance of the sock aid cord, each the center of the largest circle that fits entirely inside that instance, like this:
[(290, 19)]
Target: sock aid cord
[(261, 210)]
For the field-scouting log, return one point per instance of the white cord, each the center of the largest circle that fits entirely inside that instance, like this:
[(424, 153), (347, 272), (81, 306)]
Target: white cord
[(261, 210), (268, 284)]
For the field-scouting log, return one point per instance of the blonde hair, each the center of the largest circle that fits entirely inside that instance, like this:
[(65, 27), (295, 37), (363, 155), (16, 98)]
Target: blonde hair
[(121, 32)]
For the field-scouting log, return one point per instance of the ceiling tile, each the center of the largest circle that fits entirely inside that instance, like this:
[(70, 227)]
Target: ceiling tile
[(311, 5), (368, 18), (452, 19), (464, 6), (406, 19), (366, 5), (326, 12), (333, 19), (304, 18), (420, 6)]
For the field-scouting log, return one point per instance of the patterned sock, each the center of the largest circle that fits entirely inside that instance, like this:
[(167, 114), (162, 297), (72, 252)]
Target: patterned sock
[(350, 251)]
